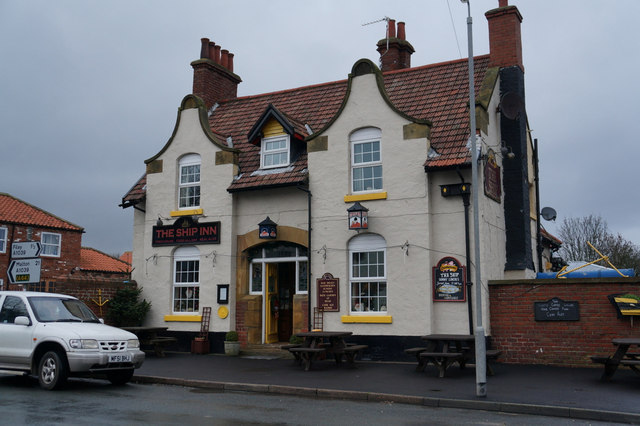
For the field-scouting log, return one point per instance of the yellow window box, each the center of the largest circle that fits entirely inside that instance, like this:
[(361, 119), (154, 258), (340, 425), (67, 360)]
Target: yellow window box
[(183, 318), (367, 319)]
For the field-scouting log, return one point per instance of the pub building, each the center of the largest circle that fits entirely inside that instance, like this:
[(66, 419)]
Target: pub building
[(347, 198)]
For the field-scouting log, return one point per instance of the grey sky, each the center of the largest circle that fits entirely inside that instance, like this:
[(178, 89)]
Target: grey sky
[(90, 89)]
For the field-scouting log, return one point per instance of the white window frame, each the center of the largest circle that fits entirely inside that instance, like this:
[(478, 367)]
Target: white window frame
[(368, 243), (298, 259), (266, 152), (186, 254), (4, 235), (186, 162), (361, 137), (57, 247)]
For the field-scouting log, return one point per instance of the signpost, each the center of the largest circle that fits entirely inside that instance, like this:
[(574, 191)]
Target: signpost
[(24, 271), (25, 264), (26, 249)]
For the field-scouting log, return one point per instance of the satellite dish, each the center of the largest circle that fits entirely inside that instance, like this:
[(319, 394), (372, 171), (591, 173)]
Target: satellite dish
[(511, 105), (549, 213)]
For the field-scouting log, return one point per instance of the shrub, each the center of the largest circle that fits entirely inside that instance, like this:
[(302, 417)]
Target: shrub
[(295, 340), (126, 310), (231, 336)]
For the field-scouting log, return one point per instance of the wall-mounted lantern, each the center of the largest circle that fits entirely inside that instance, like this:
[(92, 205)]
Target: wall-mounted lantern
[(267, 229), (358, 217)]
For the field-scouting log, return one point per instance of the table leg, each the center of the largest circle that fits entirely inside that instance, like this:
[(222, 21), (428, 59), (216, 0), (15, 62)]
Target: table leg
[(611, 365)]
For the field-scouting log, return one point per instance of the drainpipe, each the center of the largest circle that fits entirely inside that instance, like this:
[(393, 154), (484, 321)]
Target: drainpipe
[(467, 246), (537, 182), (308, 255)]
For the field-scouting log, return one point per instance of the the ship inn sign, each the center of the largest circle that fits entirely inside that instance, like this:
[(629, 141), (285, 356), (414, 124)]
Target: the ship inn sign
[(186, 231)]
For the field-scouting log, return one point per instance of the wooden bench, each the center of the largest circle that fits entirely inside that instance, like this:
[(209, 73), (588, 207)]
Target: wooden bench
[(296, 355), (443, 360), (307, 355), (351, 351), (416, 352), (159, 343), (492, 355)]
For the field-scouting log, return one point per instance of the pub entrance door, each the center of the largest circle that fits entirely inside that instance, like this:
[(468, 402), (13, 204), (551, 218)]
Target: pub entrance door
[(278, 309)]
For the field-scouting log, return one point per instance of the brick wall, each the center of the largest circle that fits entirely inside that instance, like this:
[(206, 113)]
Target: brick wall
[(569, 343)]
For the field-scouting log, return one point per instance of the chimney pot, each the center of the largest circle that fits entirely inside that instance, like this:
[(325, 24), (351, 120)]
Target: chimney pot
[(503, 3), (212, 46), (230, 62), (204, 50), (401, 32), (391, 28), (216, 54), (224, 59)]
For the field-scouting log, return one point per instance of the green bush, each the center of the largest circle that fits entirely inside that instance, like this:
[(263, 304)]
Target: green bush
[(126, 310), (295, 340), (231, 336)]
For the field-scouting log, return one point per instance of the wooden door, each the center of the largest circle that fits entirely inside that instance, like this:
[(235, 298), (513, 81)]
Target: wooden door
[(272, 304)]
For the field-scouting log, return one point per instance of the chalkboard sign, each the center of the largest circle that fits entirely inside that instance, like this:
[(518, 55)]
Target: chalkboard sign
[(449, 281), (556, 310)]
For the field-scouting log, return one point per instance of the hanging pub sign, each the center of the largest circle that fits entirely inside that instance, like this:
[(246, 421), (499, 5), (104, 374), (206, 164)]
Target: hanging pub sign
[(328, 299), (186, 231), (492, 182), (449, 283), (267, 229), (358, 216)]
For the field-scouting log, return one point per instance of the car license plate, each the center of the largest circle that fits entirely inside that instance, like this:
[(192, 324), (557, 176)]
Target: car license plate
[(120, 358)]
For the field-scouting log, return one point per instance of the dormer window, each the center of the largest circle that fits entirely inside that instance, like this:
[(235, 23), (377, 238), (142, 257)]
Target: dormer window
[(274, 152)]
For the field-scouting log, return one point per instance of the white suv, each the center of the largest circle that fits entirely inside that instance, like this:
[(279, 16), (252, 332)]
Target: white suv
[(55, 336)]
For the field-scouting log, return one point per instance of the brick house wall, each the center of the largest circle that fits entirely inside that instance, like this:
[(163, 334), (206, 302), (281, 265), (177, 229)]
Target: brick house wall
[(523, 340)]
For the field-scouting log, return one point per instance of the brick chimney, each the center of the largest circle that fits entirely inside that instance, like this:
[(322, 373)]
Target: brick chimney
[(395, 51), (505, 42), (213, 77)]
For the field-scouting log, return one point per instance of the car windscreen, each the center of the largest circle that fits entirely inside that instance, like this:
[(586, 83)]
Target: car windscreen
[(54, 309)]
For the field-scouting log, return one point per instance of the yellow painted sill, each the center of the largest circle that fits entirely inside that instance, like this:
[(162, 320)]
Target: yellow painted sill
[(367, 319), (191, 212), (365, 197), (183, 318)]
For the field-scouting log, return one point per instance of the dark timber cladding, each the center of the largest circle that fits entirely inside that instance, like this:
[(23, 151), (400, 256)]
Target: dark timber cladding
[(516, 182)]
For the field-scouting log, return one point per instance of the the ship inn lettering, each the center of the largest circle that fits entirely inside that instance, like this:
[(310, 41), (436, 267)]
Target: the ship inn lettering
[(186, 231), (449, 281)]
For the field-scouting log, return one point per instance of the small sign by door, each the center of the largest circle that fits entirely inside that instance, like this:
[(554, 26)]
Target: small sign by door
[(328, 293)]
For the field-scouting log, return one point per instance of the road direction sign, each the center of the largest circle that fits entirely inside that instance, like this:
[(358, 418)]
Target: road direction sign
[(24, 271), (26, 249)]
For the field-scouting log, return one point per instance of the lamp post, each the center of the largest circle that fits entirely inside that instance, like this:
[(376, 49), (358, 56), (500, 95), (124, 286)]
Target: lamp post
[(481, 350)]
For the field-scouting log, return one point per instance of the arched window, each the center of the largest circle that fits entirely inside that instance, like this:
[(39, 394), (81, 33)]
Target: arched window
[(189, 182), (186, 279), (368, 273), (366, 161)]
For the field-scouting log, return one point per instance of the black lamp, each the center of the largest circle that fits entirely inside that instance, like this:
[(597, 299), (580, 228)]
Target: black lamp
[(267, 229), (358, 216)]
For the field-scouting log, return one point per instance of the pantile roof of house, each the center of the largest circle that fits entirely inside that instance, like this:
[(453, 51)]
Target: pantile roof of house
[(17, 212), (437, 93), (96, 261)]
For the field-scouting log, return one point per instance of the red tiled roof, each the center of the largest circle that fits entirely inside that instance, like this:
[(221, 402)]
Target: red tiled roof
[(94, 260), (18, 212), (127, 256), (437, 92), (136, 193)]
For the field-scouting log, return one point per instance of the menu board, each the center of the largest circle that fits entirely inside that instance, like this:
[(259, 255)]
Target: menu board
[(449, 283), (556, 310), (328, 293)]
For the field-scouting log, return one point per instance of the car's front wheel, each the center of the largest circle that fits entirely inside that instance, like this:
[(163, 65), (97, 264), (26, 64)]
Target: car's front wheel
[(120, 377), (52, 371)]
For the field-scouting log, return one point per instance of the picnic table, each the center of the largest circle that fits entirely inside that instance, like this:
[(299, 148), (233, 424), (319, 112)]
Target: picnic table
[(148, 336), (317, 343), (621, 356), (444, 350)]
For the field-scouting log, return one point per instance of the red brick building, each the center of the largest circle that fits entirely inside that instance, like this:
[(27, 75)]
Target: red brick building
[(63, 258)]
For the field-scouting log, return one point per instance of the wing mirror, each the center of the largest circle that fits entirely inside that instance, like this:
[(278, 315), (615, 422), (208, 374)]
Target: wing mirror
[(22, 320)]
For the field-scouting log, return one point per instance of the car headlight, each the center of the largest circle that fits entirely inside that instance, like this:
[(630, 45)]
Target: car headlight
[(83, 343), (133, 344)]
